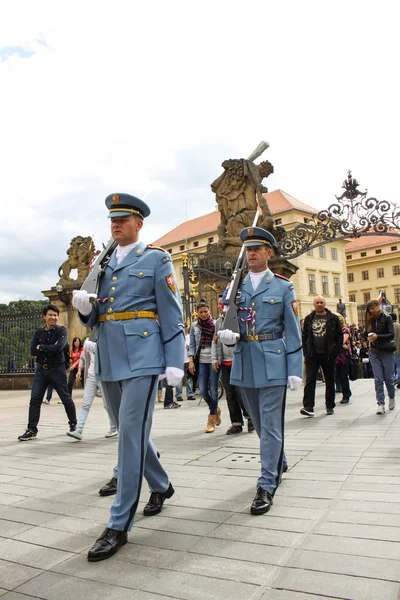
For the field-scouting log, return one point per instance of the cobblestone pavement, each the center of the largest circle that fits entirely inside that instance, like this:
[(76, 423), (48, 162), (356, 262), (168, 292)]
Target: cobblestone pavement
[(333, 532)]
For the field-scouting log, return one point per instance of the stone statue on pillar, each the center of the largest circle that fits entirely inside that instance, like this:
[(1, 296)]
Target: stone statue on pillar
[(239, 192), (341, 308)]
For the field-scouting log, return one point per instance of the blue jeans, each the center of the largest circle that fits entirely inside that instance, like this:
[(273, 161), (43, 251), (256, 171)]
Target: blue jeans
[(397, 361), (208, 385), (383, 368), (56, 377)]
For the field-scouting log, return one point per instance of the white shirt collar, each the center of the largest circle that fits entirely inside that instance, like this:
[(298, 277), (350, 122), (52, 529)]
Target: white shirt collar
[(123, 251)]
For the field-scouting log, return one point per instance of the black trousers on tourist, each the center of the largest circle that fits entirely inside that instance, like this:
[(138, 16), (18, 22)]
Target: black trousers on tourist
[(56, 377), (328, 367), (233, 397)]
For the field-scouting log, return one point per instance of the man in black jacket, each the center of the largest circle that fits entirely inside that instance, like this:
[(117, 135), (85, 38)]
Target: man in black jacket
[(322, 341), (47, 346)]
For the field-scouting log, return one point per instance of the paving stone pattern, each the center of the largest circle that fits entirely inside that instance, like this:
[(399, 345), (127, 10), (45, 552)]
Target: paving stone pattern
[(333, 531)]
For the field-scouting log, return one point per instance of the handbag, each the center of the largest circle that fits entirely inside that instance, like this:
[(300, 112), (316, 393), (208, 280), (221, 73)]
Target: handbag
[(353, 369)]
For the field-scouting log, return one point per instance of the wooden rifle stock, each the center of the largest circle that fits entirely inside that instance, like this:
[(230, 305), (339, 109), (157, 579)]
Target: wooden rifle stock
[(92, 281)]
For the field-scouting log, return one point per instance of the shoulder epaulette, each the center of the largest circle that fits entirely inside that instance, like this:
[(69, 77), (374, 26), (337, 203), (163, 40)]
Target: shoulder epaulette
[(281, 277), (152, 247)]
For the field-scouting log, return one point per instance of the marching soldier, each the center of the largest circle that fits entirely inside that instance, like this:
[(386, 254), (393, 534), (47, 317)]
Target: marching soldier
[(267, 356), (138, 318)]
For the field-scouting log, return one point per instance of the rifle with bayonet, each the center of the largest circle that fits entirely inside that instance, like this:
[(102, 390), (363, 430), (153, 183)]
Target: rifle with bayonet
[(231, 316), (92, 281)]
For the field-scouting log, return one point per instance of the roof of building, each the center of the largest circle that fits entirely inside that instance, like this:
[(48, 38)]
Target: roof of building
[(370, 241), (278, 202)]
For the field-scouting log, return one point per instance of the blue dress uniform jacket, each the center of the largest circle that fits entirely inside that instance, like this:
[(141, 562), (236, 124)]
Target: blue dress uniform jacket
[(259, 364), (144, 281)]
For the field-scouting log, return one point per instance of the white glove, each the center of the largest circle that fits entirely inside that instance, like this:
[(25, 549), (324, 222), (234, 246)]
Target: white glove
[(294, 382), (174, 376), (228, 337), (81, 301)]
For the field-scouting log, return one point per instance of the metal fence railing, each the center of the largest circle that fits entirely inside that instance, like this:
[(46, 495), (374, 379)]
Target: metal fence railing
[(16, 332)]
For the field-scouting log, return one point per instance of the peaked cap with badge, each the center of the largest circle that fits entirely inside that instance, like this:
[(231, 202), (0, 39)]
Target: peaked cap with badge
[(123, 205), (256, 236)]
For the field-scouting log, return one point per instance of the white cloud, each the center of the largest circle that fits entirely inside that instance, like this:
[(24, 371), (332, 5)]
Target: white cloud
[(151, 97)]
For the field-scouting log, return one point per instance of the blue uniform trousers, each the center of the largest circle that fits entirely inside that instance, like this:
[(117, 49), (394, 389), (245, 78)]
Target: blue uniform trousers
[(266, 407), (131, 403)]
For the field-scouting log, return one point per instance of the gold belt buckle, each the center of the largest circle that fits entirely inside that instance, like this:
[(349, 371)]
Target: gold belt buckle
[(255, 337), (110, 317)]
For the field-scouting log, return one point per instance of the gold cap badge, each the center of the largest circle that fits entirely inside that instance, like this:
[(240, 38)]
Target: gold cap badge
[(115, 198), (250, 230)]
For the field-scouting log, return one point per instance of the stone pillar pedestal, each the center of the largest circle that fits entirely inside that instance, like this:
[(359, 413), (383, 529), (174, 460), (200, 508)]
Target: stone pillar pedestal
[(282, 266), (68, 315)]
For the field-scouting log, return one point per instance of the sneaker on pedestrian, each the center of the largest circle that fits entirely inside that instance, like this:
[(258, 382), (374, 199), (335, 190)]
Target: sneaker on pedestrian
[(179, 399), (233, 429), (46, 402), (77, 434), (28, 435), (307, 413), (392, 403), (381, 409), (172, 405), (111, 433), (344, 401), (191, 397), (59, 402), (329, 411)]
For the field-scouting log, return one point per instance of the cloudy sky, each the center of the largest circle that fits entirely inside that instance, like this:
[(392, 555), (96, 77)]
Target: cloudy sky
[(150, 97)]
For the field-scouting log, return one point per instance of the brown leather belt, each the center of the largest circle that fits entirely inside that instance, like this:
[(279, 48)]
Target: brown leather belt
[(261, 337), (122, 316)]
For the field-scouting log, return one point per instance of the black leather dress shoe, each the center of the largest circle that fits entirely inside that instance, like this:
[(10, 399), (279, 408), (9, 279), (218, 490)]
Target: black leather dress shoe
[(110, 488), (156, 501), (262, 502), (107, 545)]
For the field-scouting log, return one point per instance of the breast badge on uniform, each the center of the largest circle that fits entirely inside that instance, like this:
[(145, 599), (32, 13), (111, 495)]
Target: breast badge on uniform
[(295, 308), (171, 283)]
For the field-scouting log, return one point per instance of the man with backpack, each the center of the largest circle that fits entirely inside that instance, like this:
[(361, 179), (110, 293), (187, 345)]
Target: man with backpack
[(47, 346)]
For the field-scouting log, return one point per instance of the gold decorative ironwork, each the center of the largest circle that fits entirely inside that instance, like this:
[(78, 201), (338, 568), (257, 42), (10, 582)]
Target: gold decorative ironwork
[(185, 259)]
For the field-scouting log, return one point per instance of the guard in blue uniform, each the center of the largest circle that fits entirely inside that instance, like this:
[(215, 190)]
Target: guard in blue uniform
[(140, 335), (267, 356)]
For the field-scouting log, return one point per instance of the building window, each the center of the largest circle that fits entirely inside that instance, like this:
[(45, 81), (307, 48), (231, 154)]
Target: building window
[(350, 277), (364, 275), (367, 297), (393, 248), (380, 273), (397, 295), (310, 252), (334, 253), (325, 289), (169, 250), (322, 253), (363, 254), (311, 283), (396, 270), (336, 282), (278, 221), (195, 244), (181, 248), (349, 256), (352, 297), (305, 219), (378, 251), (211, 240)]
